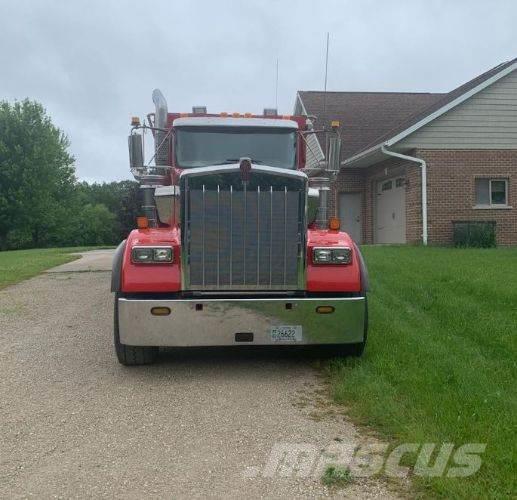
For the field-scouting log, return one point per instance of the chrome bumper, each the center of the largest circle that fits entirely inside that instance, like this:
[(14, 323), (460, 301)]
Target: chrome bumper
[(224, 322)]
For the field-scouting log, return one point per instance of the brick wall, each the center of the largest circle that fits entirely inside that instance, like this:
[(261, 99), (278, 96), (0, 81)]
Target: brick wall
[(451, 191), (451, 178)]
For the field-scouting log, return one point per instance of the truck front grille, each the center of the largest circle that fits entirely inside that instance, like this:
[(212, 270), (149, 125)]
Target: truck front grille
[(240, 236)]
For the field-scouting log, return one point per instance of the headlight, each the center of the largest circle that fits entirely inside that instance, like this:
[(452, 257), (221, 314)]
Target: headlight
[(150, 255), (339, 255)]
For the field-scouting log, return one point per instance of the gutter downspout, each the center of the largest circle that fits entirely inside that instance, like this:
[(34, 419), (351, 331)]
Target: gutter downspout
[(423, 166)]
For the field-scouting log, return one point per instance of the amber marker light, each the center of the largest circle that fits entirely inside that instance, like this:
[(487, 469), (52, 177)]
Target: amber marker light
[(334, 223), (142, 222), (135, 121), (160, 311), (325, 309)]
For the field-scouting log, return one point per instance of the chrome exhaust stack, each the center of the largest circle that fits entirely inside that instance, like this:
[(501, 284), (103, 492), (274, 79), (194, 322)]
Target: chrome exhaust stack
[(161, 144)]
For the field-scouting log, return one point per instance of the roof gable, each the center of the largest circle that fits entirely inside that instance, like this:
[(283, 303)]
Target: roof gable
[(486, 120), (437, 109)]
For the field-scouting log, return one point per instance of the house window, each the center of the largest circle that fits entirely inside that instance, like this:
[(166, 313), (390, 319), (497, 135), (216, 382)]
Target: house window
[(386, 186), (491, 192)]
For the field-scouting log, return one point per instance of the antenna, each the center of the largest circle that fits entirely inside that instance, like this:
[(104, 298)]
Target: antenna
[(325, 86), (276, 86), (327, 148)]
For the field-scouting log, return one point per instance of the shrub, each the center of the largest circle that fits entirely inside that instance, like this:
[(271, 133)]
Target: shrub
[(476, 234)]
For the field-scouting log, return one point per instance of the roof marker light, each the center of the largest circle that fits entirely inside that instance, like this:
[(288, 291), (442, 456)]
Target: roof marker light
[(224, 113), (236, 115)]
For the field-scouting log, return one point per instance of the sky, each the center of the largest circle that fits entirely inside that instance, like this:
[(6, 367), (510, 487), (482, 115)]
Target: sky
[(94, 64)]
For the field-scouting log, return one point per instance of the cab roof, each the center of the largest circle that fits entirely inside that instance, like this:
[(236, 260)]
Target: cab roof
[(219, 121)]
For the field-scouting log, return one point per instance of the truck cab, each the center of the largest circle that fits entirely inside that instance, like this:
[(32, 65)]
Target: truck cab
[(234, 246)]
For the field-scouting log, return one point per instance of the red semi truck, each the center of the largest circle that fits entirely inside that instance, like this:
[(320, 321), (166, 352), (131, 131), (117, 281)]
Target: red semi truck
[(234, 246)]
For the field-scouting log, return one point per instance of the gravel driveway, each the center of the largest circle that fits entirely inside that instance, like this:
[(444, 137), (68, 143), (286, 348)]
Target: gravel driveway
[(74, 423)]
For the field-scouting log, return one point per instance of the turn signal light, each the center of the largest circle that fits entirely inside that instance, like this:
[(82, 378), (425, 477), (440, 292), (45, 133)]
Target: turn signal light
[(325, 309), (334, 223), (142, 222), (160, 311)]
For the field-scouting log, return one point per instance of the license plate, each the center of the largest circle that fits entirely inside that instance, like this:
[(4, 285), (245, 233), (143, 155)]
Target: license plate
[(286, 333)]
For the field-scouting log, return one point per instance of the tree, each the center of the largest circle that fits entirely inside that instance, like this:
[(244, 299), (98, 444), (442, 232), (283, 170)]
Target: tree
[(36, 175), (93, 225), (121, 199)]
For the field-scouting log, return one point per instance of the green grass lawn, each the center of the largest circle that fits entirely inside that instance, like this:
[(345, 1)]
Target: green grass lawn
[(19, 265), (440, 365)]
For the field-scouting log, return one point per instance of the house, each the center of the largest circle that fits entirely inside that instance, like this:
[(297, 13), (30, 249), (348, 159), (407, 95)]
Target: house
[(461, 146)]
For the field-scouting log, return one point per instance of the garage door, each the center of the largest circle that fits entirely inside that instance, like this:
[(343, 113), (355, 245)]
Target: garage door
[(391, 211)]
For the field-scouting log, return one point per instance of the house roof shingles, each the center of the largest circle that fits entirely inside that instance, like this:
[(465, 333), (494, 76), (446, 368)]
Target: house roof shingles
[(370, 118)]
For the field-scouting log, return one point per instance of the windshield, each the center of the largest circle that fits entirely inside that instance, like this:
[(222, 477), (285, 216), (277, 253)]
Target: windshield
[(204, 146)]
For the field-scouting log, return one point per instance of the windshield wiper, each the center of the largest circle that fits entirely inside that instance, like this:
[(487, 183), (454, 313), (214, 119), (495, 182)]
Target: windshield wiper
[(236, 160)]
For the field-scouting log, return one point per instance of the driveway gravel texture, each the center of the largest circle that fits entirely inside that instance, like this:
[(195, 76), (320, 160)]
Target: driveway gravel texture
[(198, 424)]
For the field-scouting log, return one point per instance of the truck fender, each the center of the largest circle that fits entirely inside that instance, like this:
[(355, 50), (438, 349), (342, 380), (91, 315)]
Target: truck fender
[(365, 281), (116, 270)]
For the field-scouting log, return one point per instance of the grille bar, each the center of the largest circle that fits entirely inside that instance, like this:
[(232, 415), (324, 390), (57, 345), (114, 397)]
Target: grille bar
[(258, 236)]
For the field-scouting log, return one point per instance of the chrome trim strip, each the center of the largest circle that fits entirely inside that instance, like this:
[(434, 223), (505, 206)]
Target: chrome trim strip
[(184, 233), (245, 231), (271, 240), (217, 320), (235, 167), (218, 231), (285, 234), (203, 234), (258, 236), (231, 235)]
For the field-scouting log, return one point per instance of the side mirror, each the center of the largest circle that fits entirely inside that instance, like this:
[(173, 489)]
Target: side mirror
[(136, 151)]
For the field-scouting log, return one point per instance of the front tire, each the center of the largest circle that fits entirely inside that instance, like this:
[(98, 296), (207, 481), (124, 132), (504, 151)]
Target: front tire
[(129, 355)]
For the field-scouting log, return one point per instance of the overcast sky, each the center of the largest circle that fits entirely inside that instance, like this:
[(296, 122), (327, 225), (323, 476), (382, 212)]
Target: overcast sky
[(93, 64)]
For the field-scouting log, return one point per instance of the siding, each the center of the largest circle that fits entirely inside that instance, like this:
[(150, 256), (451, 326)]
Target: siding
[(488, 120)]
